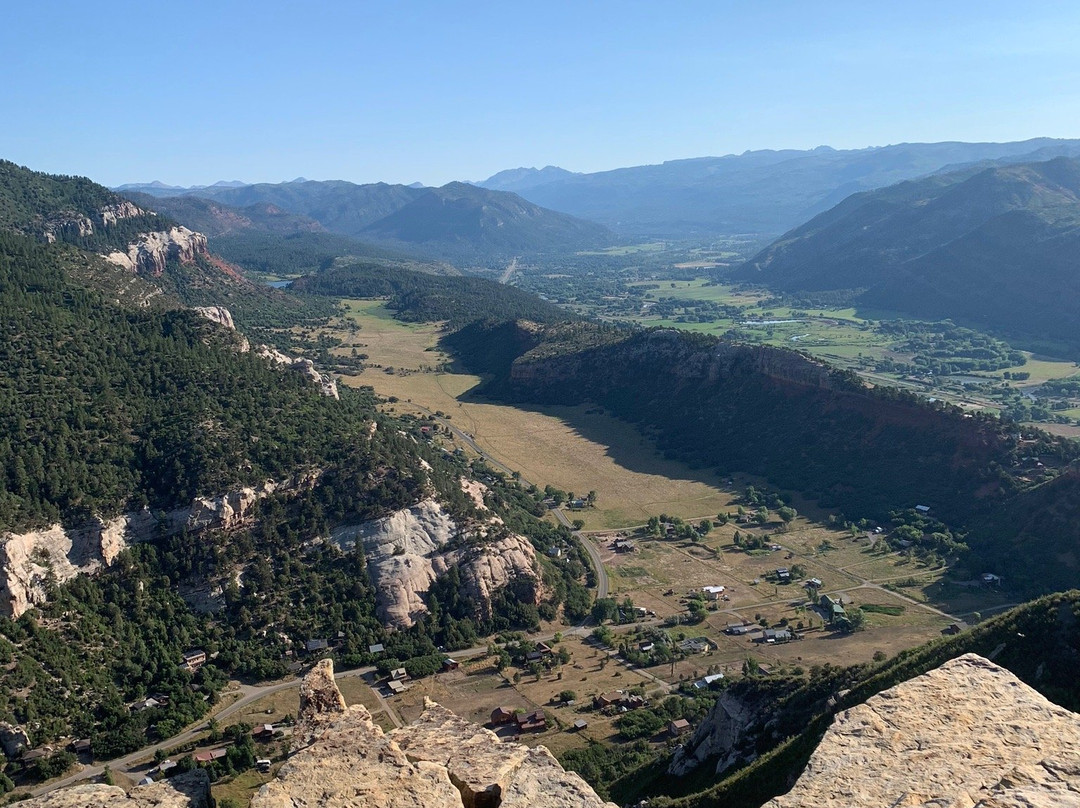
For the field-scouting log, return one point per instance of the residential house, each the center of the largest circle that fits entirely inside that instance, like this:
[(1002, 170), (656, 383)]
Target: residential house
[(263, 732), (738, 629), (145, 704), (680, 726), (193, 660), (502, 715), (832, 606), (397, 687), (713, 592), (535, 721), (206, 757), (696, 645), (783, 575), (377, 648), (399, 674), (311, 646), (624, 546), (775, 635), (607, 699), (703, 684)]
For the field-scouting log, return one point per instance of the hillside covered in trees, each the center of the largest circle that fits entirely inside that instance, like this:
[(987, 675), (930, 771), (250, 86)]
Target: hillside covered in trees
[(993, 247), (867, 452), (107, 407)]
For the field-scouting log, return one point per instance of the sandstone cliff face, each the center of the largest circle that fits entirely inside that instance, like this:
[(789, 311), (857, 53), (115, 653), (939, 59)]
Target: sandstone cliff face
[(28, 560), (188, 790), (967, 735), (153, 250), (408, 550), (441, 761)]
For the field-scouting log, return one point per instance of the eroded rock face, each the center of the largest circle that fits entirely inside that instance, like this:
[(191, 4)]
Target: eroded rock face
[(152, 251), (188, 790), (441, 761), (719, 736), (217, 314), (27, 560), (967, 734), (409, 549), (327, 383)]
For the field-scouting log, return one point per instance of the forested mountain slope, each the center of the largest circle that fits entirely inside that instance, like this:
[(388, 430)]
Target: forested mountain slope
[(461, 223), (868, 452), (148, 258), (264, 239), (996, 247), (154, 411), (475, 225)]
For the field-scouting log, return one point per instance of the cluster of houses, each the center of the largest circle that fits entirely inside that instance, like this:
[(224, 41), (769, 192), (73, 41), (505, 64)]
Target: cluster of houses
[(536, 721), (769, 636)]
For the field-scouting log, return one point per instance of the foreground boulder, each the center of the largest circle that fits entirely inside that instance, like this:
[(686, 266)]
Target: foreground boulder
[(188, 790), (966, 735), (440, 761)]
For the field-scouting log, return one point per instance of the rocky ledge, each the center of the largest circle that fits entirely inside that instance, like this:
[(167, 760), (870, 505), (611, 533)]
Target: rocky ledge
[(441, 761), (966, 735), (189, 790)]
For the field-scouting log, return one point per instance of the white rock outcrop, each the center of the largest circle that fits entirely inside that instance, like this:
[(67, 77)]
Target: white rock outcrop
[(441, 761), (966, 735), (29, 560), (153, 250), (327, 383), (409, 549), (217, 314)]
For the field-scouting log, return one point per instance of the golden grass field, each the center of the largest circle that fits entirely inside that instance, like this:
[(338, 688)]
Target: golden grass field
[(546, 446)]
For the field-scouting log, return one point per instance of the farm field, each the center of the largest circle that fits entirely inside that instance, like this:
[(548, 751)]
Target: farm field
[(571, 448)]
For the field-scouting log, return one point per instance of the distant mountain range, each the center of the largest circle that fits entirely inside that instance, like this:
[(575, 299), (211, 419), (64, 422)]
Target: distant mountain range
[(462, 223), (158, 188), (997, 247), (757, 192)]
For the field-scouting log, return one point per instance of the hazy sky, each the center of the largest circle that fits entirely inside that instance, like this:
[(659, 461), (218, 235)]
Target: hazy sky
[(194, 92)]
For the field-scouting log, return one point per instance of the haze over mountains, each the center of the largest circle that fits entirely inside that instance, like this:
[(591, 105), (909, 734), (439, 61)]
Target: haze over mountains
[(763, 192)]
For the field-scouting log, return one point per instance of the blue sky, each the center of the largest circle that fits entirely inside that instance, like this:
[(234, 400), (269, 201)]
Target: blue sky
[(266, 91)]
